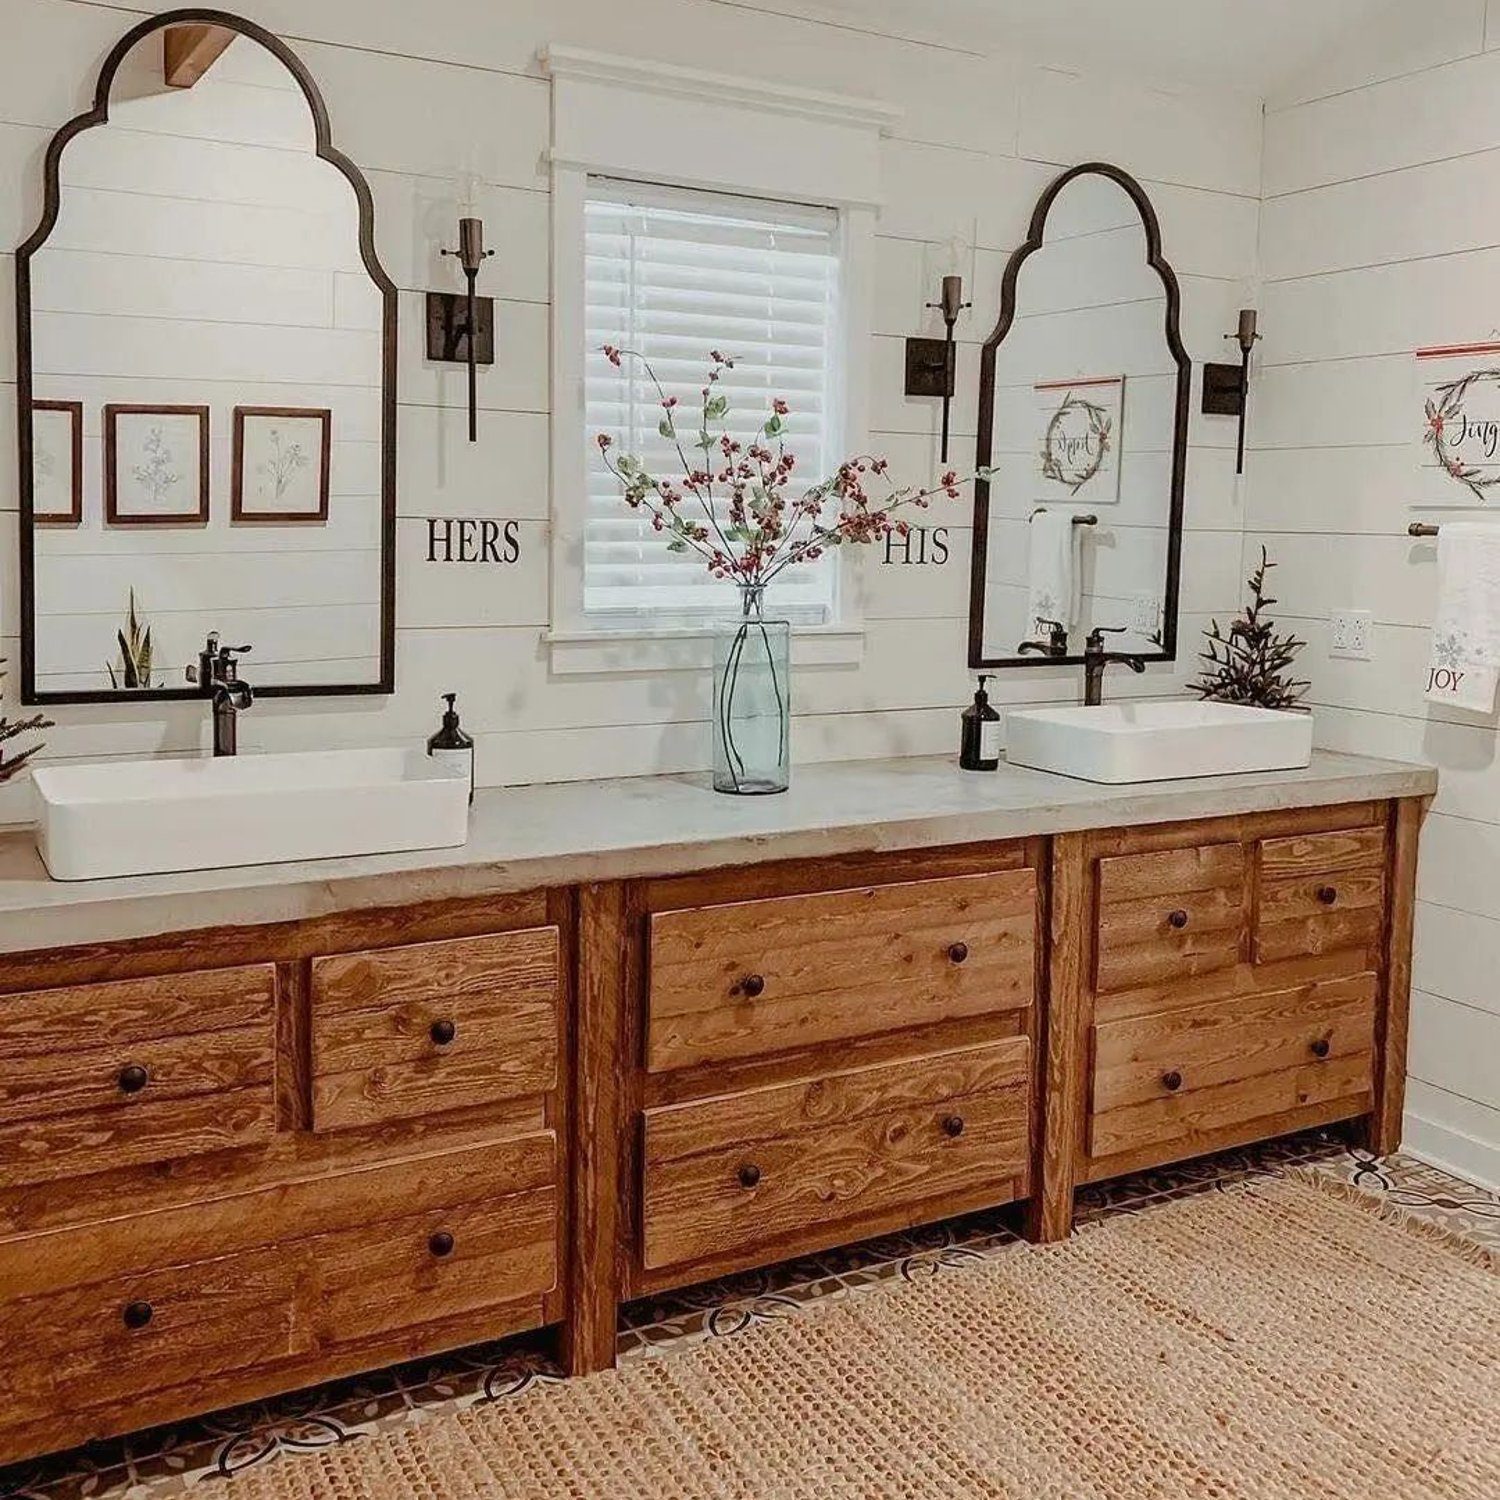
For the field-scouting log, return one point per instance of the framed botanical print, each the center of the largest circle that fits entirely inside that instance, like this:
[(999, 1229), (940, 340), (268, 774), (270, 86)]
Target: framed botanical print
[(280, 465), (155, 465), (57, 463), (1078, 439)]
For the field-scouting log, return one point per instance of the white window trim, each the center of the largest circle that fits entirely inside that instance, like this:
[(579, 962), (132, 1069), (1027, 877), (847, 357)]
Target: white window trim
[(642, 120)]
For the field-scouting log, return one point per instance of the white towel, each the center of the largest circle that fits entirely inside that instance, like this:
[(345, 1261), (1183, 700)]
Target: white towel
[(1055, 580), (1465, 664)]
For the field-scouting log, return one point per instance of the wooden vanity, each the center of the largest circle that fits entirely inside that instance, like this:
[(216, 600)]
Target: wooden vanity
[(242, 1159)]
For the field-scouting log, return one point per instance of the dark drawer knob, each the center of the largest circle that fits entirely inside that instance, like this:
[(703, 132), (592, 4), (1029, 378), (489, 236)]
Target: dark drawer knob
[(749, 1175), (442, 1032), (752, 985), (137, 1314), (958, 952), (133, 1078), (1321, 1047), (953, 1126), (1177, 919), (1328, 894), (441, 1244), (1171, 1081)]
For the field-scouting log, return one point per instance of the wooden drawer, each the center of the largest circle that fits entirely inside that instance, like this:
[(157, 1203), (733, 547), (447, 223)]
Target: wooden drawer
[(109, 1314), (99, 1076), (754, 977), (942, 1133), (1169, 915), (1159, 1078), (442, 1263), (100, 1343), (1319, 893), (400, 1032)]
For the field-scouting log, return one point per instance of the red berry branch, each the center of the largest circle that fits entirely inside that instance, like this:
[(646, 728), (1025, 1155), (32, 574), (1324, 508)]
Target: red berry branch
[(733, 503)]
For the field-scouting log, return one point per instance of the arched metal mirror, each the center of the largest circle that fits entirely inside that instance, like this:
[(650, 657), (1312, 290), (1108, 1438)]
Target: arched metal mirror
[(206, 382), (1083, 413)]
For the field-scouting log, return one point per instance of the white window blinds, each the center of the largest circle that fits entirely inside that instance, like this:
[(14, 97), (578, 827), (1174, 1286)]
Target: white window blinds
[(674, 274)]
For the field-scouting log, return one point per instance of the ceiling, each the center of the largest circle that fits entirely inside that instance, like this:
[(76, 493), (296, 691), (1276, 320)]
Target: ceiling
[(1254, 46)]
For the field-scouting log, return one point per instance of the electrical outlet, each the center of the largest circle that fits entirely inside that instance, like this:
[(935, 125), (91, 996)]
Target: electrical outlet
[(1145, 613), (1349, 634)]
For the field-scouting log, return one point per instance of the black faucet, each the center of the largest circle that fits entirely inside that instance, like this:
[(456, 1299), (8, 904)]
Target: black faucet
[(1056, 643), (1096, 659), (218, 677)]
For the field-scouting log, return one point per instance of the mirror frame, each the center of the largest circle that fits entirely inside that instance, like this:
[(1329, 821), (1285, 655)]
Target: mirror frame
[(99, 115), (1035, 238)]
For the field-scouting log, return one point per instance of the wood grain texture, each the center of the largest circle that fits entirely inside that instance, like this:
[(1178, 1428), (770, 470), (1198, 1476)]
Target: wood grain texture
[(1066, 1028), (1319, 893), (36, 1022), (1384, 1135), (1189, 1118), (74, 1347), (1168, 915), (273, 1257), (374, 1054), (1205, 1046), (383, 1276), (308, 1292), (188, 52), (749, 978), (142, 1131), (241, 1219), (597, 1169), (88, 1078), (831, 1149)]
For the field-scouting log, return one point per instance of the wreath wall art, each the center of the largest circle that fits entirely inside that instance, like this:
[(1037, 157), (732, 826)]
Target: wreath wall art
[(1460, 443), (1078, 444)]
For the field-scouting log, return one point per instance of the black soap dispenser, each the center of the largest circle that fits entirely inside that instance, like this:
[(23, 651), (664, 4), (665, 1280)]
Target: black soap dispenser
[(451, 746), (979, 748)]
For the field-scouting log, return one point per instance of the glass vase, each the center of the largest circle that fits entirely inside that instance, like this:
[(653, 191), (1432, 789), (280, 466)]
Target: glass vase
[(752, 711)]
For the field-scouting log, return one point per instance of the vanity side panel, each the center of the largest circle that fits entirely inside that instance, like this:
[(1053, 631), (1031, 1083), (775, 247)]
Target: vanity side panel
[(1393, 1017)]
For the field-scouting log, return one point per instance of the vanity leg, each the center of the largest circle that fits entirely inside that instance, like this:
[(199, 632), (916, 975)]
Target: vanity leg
[(1062, 1036), (1384, 1132), (593, 1270)]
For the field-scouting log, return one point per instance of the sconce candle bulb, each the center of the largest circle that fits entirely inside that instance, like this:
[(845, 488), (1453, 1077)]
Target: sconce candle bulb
[(462, 328)]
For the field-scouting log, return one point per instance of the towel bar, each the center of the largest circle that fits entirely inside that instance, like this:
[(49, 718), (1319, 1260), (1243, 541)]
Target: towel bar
[(1421, 528), (1077, 520)]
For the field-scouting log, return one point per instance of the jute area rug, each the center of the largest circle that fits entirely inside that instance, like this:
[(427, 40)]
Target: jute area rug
[(1283, 1339)]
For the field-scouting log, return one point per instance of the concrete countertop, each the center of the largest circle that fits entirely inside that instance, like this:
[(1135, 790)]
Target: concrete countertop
[(527, 837)]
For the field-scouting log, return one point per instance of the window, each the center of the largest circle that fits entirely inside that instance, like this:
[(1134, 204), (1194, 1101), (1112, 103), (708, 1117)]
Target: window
[(673, 273)]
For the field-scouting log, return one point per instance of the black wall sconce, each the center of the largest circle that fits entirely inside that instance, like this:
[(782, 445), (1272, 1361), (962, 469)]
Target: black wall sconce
[(1226, 388), (461, 325), (930, 363)]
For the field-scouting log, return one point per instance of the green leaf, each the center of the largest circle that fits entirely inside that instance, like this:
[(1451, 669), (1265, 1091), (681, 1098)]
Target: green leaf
[(665, 428), (715, 407), (677, 545), (773, 426)]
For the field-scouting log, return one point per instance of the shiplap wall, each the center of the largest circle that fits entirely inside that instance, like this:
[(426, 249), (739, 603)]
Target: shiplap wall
[(418, 94), (1381, 233)]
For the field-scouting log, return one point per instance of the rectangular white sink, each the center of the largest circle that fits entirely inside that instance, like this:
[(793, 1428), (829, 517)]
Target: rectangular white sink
[(1167, 741), (149, 817)]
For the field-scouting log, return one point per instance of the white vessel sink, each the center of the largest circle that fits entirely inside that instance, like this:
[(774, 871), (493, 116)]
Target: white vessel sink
[(149, 817), (1166, 741)]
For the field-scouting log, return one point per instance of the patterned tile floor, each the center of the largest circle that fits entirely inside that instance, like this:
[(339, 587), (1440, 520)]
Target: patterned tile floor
[(167, 1460)]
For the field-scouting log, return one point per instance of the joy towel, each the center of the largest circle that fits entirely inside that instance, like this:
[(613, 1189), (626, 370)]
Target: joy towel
[(1465, 664), (1054, 580)]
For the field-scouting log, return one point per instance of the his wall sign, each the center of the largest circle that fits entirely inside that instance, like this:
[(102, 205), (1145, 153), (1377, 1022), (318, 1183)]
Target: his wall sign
[(922, 546)]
